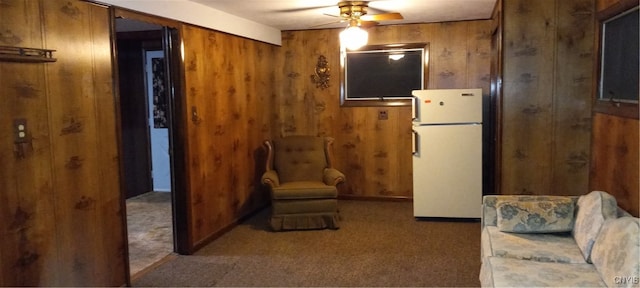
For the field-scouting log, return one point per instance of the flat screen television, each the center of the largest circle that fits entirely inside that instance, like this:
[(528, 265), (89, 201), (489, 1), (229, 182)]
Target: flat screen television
[(384, 72)]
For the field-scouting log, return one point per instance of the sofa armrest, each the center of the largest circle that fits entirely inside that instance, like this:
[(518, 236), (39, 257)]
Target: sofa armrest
[(489, 202), (622, 213), (332, 176), (271, 178)]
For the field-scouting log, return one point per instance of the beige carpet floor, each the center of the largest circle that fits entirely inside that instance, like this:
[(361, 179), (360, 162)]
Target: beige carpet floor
[(150, 229), (378, 244)]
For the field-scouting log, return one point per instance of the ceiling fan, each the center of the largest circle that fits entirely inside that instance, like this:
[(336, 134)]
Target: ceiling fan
[(353, 37), (356, 13)]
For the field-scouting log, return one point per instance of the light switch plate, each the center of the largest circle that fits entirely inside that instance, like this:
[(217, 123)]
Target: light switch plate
[(383, 115), (20, 130)]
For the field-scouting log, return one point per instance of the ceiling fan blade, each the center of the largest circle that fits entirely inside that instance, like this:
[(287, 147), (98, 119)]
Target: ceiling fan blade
[(382, 17), (325, 24), (374, 10), (330, 15), (304, 8), (368, 24)]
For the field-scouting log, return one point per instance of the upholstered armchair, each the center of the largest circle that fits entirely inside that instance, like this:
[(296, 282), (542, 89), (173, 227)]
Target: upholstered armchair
[(302, 181)]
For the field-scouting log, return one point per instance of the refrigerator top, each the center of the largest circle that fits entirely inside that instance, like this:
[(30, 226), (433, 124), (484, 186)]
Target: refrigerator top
[(447, 106)]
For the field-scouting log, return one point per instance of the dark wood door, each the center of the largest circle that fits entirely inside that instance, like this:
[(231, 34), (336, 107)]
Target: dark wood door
[(134, 115)]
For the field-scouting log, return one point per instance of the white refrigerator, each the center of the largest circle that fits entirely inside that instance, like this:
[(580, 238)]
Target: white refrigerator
[(447, 153)]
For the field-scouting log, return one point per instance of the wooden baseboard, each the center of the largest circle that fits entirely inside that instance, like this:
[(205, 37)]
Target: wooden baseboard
[(215, 235), (165, 259), (376, 198)]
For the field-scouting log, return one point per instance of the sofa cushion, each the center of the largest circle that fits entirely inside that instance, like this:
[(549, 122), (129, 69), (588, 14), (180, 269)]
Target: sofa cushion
[(507, 272), (592, 210), (550, 247), (535, 216), (489, 202), (616, 252)]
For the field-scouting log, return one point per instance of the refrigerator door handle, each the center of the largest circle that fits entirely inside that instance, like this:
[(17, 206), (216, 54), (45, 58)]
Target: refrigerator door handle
[(415, 151), (415, 113)]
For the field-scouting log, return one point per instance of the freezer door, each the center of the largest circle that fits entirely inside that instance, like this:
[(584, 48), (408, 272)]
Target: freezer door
[(435, 106), (447, 171)]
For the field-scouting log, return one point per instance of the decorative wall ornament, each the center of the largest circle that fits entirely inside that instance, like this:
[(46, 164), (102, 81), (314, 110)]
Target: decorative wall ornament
[(321, 76), (159, 94)]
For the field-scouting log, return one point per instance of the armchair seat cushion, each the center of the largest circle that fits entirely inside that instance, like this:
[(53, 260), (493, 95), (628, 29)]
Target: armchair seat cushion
[(304, 190)]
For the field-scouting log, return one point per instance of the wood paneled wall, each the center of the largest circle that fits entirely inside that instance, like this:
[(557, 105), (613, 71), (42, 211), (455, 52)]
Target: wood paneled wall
[(62, 220), (230, 84), (614, 166), (614, 151), (60, 205), (546, 112), (374, 154)]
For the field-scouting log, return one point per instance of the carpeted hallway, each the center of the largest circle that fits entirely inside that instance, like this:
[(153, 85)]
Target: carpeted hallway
[(378, 244), (150, 230)]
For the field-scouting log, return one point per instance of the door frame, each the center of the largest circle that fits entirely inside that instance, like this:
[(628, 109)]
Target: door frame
[(175, 72)]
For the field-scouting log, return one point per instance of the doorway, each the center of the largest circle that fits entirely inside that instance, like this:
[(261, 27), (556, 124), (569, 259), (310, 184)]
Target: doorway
[(158, 121), (145, 121)]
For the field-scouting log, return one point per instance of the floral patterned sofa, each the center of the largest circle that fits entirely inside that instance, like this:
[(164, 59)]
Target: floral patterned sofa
[(568, 241)]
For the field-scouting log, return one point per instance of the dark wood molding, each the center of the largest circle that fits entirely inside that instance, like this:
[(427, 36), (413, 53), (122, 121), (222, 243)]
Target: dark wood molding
[(616, 8), (620, 109), (383, 102), (496, 75), (118, 125), (178, 141), (129, 14)]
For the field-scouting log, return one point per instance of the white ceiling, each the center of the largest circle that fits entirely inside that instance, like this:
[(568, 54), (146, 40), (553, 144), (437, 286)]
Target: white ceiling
[(264, 20), (308, 14)]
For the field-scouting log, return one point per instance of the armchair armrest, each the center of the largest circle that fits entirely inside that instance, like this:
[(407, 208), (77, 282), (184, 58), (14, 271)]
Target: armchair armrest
[(271, 178), (332, 176)]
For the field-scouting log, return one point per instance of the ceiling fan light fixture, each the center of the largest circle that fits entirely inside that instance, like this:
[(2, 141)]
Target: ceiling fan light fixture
[(396, 57), (354, 37)]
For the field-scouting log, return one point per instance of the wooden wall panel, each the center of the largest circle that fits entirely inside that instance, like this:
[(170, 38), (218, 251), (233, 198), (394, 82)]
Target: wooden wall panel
[(229, 87), (374, 154), (84, 144), (62, 200), (449, 68), (614, 166), (572, 106), (545, 120), (528, 96), (28, 247)]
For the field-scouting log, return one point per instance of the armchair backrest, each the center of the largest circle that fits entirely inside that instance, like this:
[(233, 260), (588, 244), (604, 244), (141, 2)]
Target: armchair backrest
[(300, 158)]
